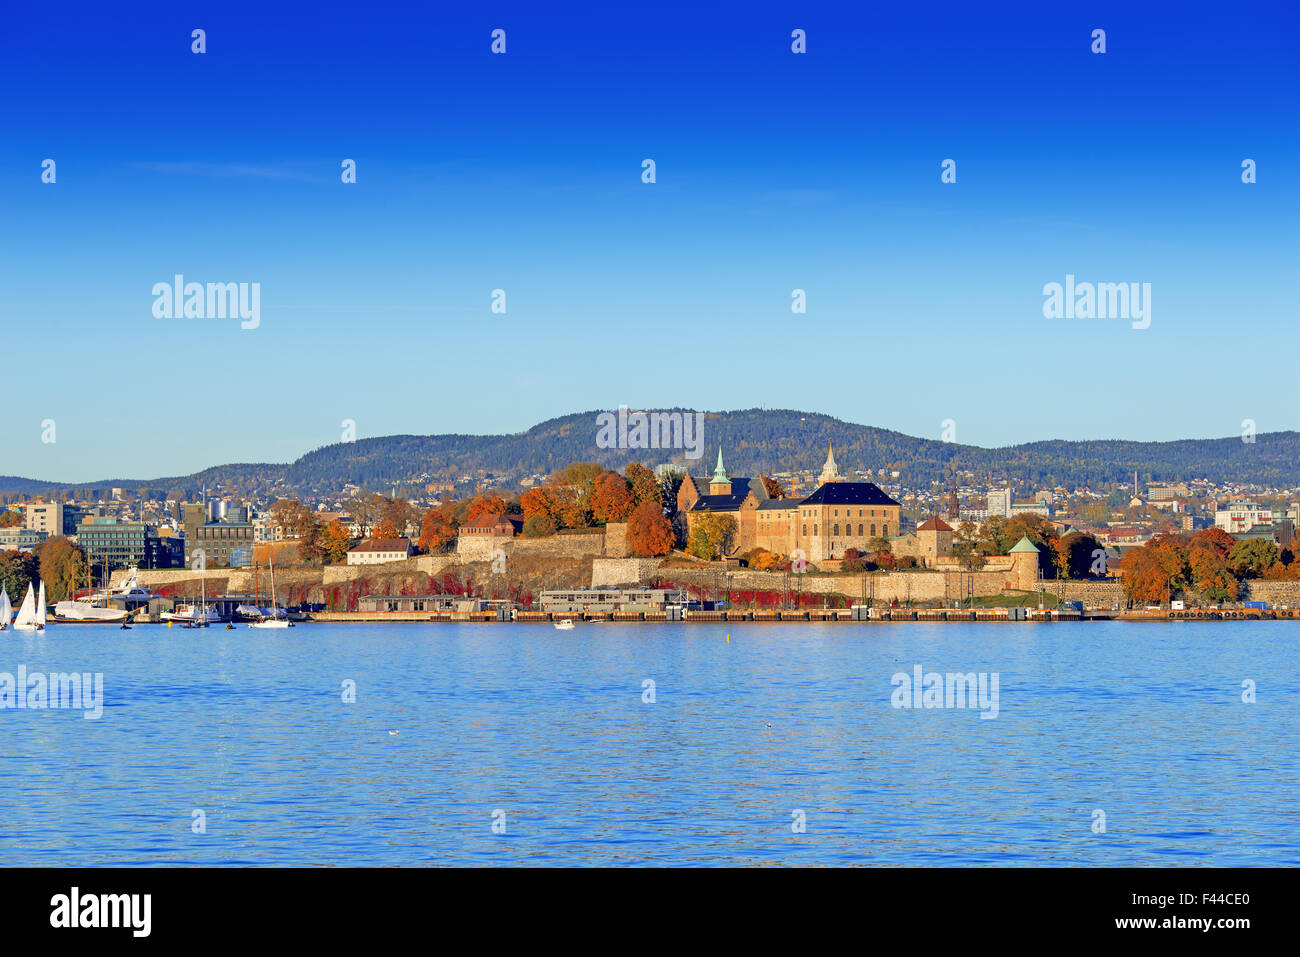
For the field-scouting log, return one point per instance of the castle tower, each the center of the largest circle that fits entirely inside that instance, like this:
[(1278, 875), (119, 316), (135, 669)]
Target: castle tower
[(1024, 564), (830, 471), (935, 539), (720, 484)]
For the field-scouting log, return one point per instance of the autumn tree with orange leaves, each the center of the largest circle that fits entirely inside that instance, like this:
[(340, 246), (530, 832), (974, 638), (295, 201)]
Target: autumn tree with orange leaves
[(645, 487), (438, 528), (487, 505), (611, 498), (649, 532)]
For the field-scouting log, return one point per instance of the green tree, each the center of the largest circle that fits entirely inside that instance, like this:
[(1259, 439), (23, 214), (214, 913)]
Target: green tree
[(711, 536), (17, 570), (539, 525), (1251, 556)]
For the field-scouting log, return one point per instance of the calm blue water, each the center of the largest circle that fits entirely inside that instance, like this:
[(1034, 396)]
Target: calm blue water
[(1142, 721)]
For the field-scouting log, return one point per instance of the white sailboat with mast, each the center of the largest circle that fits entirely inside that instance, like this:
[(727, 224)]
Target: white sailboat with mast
[(275, 621), (6, 609), (192, 615), (31, 614)]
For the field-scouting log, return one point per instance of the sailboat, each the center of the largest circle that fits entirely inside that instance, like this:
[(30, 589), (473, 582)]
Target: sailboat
[(88, 612), (274, 621), (6, 609), (195, 616), (31, 614)]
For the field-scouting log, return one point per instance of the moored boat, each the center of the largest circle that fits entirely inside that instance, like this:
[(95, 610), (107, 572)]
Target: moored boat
[(84, 613), (273, 620)]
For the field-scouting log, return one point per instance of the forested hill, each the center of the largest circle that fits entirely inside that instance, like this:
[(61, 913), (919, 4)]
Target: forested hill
[(753, 441)]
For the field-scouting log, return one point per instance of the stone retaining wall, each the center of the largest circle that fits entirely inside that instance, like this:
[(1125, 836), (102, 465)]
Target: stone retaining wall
[(1275, 593), (609, 572)]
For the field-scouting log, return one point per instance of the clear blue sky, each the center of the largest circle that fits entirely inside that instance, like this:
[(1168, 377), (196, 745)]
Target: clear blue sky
[(523, 172)]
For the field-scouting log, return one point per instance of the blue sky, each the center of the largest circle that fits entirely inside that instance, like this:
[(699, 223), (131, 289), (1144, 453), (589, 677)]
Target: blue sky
[(522, 172)]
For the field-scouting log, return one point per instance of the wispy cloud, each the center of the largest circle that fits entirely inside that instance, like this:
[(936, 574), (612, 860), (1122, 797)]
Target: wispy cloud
[(227, 170)]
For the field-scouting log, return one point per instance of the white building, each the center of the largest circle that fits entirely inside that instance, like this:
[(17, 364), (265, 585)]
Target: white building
[(378, 551), (1241, 516), (999, 502)]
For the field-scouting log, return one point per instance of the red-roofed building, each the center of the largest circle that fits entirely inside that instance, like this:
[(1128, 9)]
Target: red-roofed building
[(931, 541), (498, 526), (378, 551)]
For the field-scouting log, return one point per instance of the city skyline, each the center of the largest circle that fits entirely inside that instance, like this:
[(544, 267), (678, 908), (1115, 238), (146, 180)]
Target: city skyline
[(775, 171)]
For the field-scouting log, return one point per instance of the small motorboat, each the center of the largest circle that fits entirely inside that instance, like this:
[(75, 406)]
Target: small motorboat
[(565, 624)]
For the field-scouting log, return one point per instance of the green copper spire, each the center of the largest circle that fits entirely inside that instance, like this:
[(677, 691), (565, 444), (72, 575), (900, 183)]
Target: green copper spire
[(720, 473)]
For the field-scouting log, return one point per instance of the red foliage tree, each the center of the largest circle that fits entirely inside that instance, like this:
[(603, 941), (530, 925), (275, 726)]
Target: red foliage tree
[(611, 498), (649, 532)]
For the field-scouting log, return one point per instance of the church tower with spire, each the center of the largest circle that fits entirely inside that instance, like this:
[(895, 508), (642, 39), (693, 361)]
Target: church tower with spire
[(830, 471), (720, 484)]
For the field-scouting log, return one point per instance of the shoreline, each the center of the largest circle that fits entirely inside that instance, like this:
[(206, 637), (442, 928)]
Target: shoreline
[(896, 616)]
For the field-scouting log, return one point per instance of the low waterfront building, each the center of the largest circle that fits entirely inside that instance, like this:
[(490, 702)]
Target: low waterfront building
[(611, 599), (379, 551), (408, 603)]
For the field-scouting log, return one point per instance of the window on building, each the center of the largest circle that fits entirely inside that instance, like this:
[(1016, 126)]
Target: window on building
[(814, 531), (873, 529), (884, 530), (805, 530), (836, 532), (859, 527)]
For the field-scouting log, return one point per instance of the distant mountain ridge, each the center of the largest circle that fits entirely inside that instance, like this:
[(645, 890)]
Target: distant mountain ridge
[(753, 441)]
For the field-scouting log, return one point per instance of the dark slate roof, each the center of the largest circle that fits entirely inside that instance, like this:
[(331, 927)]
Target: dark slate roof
[(849, 493), (780, 503), (723, 503)]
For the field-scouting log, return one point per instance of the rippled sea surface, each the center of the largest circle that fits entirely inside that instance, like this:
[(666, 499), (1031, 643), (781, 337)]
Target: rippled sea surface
[(1144, 722)]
